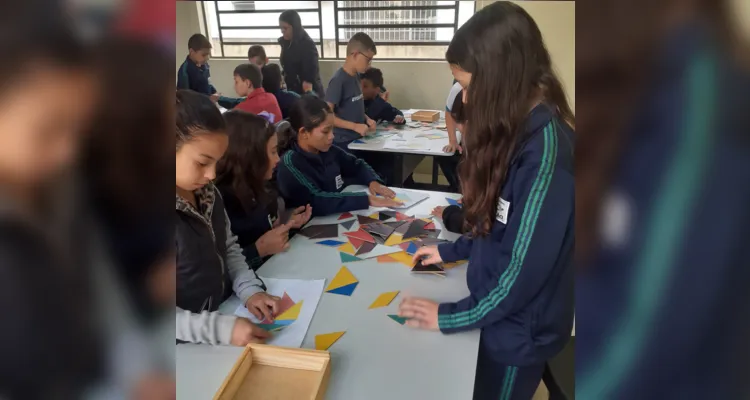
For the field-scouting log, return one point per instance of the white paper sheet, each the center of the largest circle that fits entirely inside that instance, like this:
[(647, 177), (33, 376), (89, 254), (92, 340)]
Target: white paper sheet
[(298, 290)]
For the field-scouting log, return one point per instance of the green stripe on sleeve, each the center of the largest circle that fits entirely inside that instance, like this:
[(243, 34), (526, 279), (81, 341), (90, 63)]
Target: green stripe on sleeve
[(301, 178)]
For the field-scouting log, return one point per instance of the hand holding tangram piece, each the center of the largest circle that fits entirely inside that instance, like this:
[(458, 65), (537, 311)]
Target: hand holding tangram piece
[(343, 283), (420, 268), (384, 299), (288, 312)]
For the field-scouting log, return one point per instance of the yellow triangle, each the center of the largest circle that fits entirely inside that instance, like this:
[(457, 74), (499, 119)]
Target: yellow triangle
[(403, 258), (347, 248), (375, 216), (324, 341), (343, 277), (292, 313), (428, 220), (384, 299)]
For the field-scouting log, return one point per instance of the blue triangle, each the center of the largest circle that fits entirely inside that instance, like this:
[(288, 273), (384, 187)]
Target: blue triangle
[(452, 202), (412, 248), (348, 258), (345, 290)]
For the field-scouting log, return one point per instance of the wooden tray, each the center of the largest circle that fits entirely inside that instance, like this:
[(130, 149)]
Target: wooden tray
[(426, 116), (266, 372)]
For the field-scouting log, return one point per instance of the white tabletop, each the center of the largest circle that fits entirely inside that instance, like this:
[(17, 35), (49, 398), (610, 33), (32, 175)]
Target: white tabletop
[(429, 147), (377, 358)]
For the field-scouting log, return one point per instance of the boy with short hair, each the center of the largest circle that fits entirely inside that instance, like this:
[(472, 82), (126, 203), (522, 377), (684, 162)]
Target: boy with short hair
[(272, 84), (256, 54), (344, 93), (248, 83), (375, 106), (194, 73)]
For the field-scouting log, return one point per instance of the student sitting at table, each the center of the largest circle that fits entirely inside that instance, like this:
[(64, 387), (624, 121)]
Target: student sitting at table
[(194, 73), (313, 170), (252, 204), (256, 54), (210, 264), (519, 193), (248, 82), (376, 108), (272, 81)]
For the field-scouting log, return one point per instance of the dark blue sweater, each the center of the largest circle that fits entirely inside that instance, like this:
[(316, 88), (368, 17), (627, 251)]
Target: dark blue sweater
[(193, 77), (520, 275), (379, 109), (318, 179)]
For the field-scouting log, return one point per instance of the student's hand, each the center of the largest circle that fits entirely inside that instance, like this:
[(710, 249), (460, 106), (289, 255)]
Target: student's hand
[(307, 87), (428, 254), (376, 201), (215, 97), (274, 241), (438, 211), (263, 305), (421, 313), (361, 129), (371, 124), (300, 216), (452, 146), (154, 386), (378, 188), (399, 119), (385, 95), (245, 332)]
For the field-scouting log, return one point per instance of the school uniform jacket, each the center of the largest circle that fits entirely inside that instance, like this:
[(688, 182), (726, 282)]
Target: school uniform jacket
[(193, 77), (318, 180), (379, 109), (520, 275)]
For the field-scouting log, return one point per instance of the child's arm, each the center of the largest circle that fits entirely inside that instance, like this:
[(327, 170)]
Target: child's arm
[(230, 102), (453, 218), (458, 250), (388, 112), (450, 126), (357, 168), (206, 327), (524, 259), (309, 72), (244, 281), (294, 184), (333, 97)]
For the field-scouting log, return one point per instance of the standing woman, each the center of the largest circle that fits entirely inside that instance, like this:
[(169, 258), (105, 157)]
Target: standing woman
[(299, 56), (518, 187)]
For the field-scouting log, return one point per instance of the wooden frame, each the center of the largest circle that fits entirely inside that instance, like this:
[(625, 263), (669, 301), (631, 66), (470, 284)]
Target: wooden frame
[(270, 372)]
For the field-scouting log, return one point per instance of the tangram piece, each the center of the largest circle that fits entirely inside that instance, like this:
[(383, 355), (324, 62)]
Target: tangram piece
[(379, 250), (383, 217), (454, 264), (402, 217), (285, 303), (379, 229), (391, 214), (386, 259), (348, 224), (431, 242), (324, 341), (331, 243), (346, 290), (403, 227), (420, 268), (366, 247), (403, 258), (311, 231), (452, 202), (347, 248), (395, 224), (272, 327), (379, 240), (416, 229), (394, 240), (411, 249), (346, 215), (384, 299), (404, 245), (321, 231), (343, 277), (357, 243), (432, 234), (363, 220), (430, 226), (375, 216), (395, 317), (291, 314), (346, 258), (360, 234)]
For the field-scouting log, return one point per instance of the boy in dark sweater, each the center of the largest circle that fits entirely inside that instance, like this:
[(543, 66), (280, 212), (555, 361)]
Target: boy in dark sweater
[(194, 73), (375, 106)]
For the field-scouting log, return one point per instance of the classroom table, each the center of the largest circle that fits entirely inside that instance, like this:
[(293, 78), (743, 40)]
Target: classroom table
[(376, 358), (406, 159)]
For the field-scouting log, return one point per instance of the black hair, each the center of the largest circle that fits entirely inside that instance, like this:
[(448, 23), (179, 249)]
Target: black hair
[(250, 72), (196, 114), (256, 51), (375, 76), (292, 18), (360, 41), (271, 78), (199, 42), (458, 108), (307, 113)]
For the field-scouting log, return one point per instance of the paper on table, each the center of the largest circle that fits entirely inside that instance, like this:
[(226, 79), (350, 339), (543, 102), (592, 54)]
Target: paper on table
[(298, 290)]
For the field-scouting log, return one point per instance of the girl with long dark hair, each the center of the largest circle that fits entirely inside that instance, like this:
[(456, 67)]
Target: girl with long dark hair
[(518, 187)]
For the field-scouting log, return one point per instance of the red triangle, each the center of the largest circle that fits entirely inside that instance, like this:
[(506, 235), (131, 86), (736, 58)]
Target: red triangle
[(431, 225), (404, 245), (361, 235), (401, 216), (346, 215), (357, 243)]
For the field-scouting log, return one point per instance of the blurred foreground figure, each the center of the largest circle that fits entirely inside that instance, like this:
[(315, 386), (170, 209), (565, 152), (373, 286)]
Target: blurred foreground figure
[(662, 192)]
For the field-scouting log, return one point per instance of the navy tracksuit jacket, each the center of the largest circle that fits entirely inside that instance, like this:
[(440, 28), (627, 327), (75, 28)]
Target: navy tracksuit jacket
[(317, 179), (193, 77), (378, 109), (520, 275)]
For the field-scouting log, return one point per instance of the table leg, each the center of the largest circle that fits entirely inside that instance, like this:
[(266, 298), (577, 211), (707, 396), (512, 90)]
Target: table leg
[(434, 171)]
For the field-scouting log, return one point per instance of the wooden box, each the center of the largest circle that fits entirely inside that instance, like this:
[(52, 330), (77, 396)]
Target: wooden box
[(266, 372), (426, 116)]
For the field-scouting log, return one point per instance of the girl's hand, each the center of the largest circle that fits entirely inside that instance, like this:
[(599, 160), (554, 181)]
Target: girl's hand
[(263, 306), (428, 254), (421, 313), (245, 332), (399, 119), (438, 211), (274, 241), (300, 216), (385, 191)]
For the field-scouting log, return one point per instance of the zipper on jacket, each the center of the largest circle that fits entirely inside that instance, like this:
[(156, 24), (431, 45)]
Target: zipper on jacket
[(213, 240)]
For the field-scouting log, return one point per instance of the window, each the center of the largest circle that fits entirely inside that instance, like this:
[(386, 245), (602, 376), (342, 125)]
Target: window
[(401, 29)]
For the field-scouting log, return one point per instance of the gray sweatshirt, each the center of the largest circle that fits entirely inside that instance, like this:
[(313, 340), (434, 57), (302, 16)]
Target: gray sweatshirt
[(212, 327)]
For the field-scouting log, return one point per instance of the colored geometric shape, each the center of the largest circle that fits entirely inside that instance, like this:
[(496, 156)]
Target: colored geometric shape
[(357, 243), (401, 229), (402, 217), (331, 243), (348, 224), (394, 224), (431, 225), (347, 248), (345, 258), (403, 258), (365, 248), (291, 314), (272, 327), (452, 202), (391, 214), (343, 277), (395, 317), (346, 290), (284, 304), (311, 231), (421, 268), (363, 220), (375, 216), (384, 217), (405, 245), (346, 215), (384, 299), (416, 229), (361, 235), (324, 341), (411, 249), (386, 259)]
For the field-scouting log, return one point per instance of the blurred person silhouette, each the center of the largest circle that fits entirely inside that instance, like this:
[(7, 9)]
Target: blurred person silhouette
[(662, 172)]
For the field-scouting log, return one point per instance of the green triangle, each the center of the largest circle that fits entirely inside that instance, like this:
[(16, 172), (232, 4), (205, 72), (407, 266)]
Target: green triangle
[(395, 317), (348, 258)]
